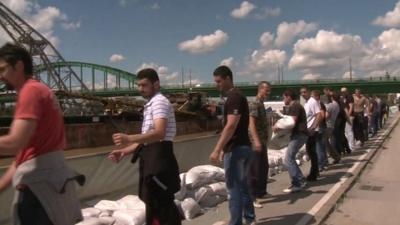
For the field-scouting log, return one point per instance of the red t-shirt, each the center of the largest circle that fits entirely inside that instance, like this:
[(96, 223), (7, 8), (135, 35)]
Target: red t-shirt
[(37, 102)]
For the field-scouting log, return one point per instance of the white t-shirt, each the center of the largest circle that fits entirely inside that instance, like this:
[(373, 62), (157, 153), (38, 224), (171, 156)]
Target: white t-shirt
[(312, 108), (159, 107)]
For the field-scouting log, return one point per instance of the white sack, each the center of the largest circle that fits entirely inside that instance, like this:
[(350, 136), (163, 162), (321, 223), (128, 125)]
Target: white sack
[(130, 216), (91, 212), (107, 205), (98, 221), (201, 175), (131, 202), (190, 208), (180, 195), (219, 188)]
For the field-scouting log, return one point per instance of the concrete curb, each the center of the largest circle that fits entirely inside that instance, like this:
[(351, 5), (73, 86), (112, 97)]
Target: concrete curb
[(346, 183)]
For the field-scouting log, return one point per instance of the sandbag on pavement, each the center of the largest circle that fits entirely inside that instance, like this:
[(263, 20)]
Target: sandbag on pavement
[(190, 208), (130, 217), (91, 212), (98, 221), (180, 195), (201, 175)]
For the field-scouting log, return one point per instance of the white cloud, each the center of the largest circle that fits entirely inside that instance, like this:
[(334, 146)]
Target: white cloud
[(243, 11), (268, 12), (204, 44), (391, 18), (163, 72), (346, 75), (43, 19), (327, 53), (117, 58), (383, 53), (229, 62), (311, 76), (267, 40), (71, 25), (286, 32), (264, 62), (155, 6)]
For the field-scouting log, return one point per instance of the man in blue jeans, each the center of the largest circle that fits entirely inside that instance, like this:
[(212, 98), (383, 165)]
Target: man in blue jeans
[(234, 146), (297, 139)]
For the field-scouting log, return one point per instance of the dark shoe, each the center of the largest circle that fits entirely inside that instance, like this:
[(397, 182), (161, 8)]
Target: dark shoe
[(336, 161), (311, 178)]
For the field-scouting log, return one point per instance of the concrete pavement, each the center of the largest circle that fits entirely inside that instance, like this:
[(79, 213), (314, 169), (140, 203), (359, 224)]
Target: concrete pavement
[(374, 198), (317, 200)]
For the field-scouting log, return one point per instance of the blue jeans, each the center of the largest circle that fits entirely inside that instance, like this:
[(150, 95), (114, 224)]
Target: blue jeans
[(321, 148), (296, 176), (236, 164)]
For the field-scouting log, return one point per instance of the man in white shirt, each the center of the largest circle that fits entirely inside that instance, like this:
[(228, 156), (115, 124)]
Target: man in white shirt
[(314, 116), (158, 168)]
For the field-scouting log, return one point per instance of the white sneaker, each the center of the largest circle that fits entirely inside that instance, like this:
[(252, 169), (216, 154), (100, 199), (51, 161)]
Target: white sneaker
[(257, 204), (292, 189)]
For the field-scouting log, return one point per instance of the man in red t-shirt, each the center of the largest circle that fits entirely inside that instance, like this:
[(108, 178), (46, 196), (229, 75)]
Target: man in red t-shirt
[(37, 130)]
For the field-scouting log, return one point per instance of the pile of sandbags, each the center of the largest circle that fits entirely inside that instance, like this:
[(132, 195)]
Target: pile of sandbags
[(129, 210), (202, 187), (276, 159)]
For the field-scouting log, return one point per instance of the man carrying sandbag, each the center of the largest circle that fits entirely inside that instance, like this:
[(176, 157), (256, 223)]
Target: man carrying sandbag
[(297, 139)]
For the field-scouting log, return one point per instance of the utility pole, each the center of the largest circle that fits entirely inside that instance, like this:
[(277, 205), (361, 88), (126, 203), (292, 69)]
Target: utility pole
[(350, 70), (190, 78), (182, 76)]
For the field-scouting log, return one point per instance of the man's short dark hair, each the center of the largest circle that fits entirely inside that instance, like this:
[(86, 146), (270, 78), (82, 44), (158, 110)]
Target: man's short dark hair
[(264, 82), (305, 87), (224, 72), (12, 53), (149, 74), (316, 92), (290, 93)]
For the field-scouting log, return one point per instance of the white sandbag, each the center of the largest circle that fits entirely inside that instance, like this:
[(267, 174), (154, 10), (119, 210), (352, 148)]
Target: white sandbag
[(180, 195), (279, 140), (98, 221), (212, 201), (106, 213), (130, 217), (108, 205), (219, 188), (202, 194), (131, 202), (201, 175), (190, 208), (91, 212), (285, 123)]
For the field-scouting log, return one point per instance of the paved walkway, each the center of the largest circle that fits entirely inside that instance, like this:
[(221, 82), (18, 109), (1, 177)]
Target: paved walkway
[(374, 198), (313, 204)]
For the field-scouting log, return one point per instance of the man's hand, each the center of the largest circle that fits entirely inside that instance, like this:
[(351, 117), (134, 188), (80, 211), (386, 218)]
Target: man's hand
[(257, 147), (120, 139), (117, 155), (215, 157), (275, 129)]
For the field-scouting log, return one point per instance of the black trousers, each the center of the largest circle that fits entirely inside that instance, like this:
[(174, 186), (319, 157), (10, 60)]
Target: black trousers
[(359, 125), (312, 153), (258, 173), (29, 209), (158, 181)]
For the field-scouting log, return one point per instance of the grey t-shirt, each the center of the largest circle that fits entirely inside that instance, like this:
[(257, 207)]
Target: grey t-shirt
[(333, 110)]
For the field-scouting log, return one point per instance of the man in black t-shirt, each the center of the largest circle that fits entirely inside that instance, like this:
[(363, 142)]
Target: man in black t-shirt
[(234, 146), (297, 139)]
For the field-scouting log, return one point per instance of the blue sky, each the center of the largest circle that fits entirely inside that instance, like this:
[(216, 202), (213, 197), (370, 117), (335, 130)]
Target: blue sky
[(309, 39)]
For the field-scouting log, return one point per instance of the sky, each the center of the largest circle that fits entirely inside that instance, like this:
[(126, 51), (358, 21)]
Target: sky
[(306, 39)]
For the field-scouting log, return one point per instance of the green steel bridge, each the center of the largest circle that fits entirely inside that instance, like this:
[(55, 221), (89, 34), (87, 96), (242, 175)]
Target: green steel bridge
[(105, 81)]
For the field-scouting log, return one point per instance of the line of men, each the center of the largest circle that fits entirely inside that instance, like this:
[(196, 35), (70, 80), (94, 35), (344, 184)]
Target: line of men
[(44, 184)]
